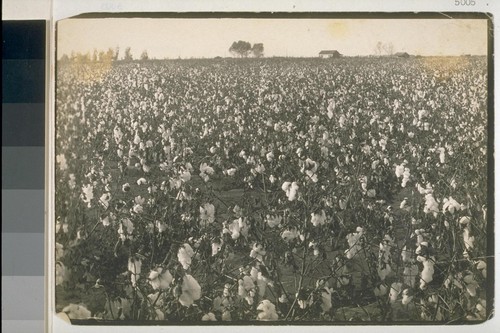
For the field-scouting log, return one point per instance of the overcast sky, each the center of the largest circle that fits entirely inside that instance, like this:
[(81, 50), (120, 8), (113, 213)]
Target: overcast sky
[(185, 38)]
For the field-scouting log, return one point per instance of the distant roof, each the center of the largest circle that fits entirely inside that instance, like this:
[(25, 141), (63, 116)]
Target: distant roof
[(329, 52)]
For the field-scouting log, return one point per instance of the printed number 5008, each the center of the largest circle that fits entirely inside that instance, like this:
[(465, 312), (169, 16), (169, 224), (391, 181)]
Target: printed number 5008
[(465, 2)]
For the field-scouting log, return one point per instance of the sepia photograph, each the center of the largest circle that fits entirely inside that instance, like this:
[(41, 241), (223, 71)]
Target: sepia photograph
[(273, 169)]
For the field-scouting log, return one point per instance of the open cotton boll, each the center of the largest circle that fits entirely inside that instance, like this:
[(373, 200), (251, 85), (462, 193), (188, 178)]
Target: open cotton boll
[(209, 317), (134, 267), (426, 276), (207, 213), (191, 291), (290, 189), (160, 278), (451, 205), (481, 266), (394, 291), (77, 311), (407, 298), (267, 311), (399, 170), (379, 291), (184, 255), (273, 221), (468, 239), (318, 219)]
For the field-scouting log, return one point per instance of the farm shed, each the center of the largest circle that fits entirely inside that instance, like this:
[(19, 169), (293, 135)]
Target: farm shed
[(330, 54), (402, 54)]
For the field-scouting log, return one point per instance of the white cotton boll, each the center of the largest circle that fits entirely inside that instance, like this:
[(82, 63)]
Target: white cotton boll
[(442, 156), (273, 221), (407, 298), (399, 170), (207, 213), (88, 194), (395, 290), (60, 274), (257, 252), (406, 177), (191, 291), (230, 172), (379, 291), (134, 267), (270, 156), (209, 317), (184, 255), (267, 311), (471, 285), (77, 311), (426, 276), (137, 138), (468, 239), (409, 275), (104, 200), (160, 278), (205, 168), (326, 299), (185, 176), (318, 219), (234, 228), (289, 235), (431, 205), (290, 190), (141, 181), (464, 220), (342, 204), (481, 266), (383, 271), (216, 247)]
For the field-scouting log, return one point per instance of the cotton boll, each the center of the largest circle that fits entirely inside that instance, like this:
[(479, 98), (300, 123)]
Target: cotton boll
[(379, 291), (134, 267), (209, 317), (77, 311), (184, 255), (318, 219), (160, 278), (468, 239), (399, 170), (191, 291), (267, 311), (394, 291), (407, 298)]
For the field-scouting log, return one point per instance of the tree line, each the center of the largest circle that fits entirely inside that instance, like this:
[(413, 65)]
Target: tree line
[(110, 55)]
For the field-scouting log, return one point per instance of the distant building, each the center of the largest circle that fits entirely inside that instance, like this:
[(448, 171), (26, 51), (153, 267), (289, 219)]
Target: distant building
[(330, 54), (402, 54)]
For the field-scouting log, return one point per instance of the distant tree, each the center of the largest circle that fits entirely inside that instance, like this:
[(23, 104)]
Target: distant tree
[(95, 56), (389, 49), (83, 57), (110, 53), (64, 58), (117, 52), (240, 48), (128, 55), (258, 50), (378, 48), (144, 55)]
